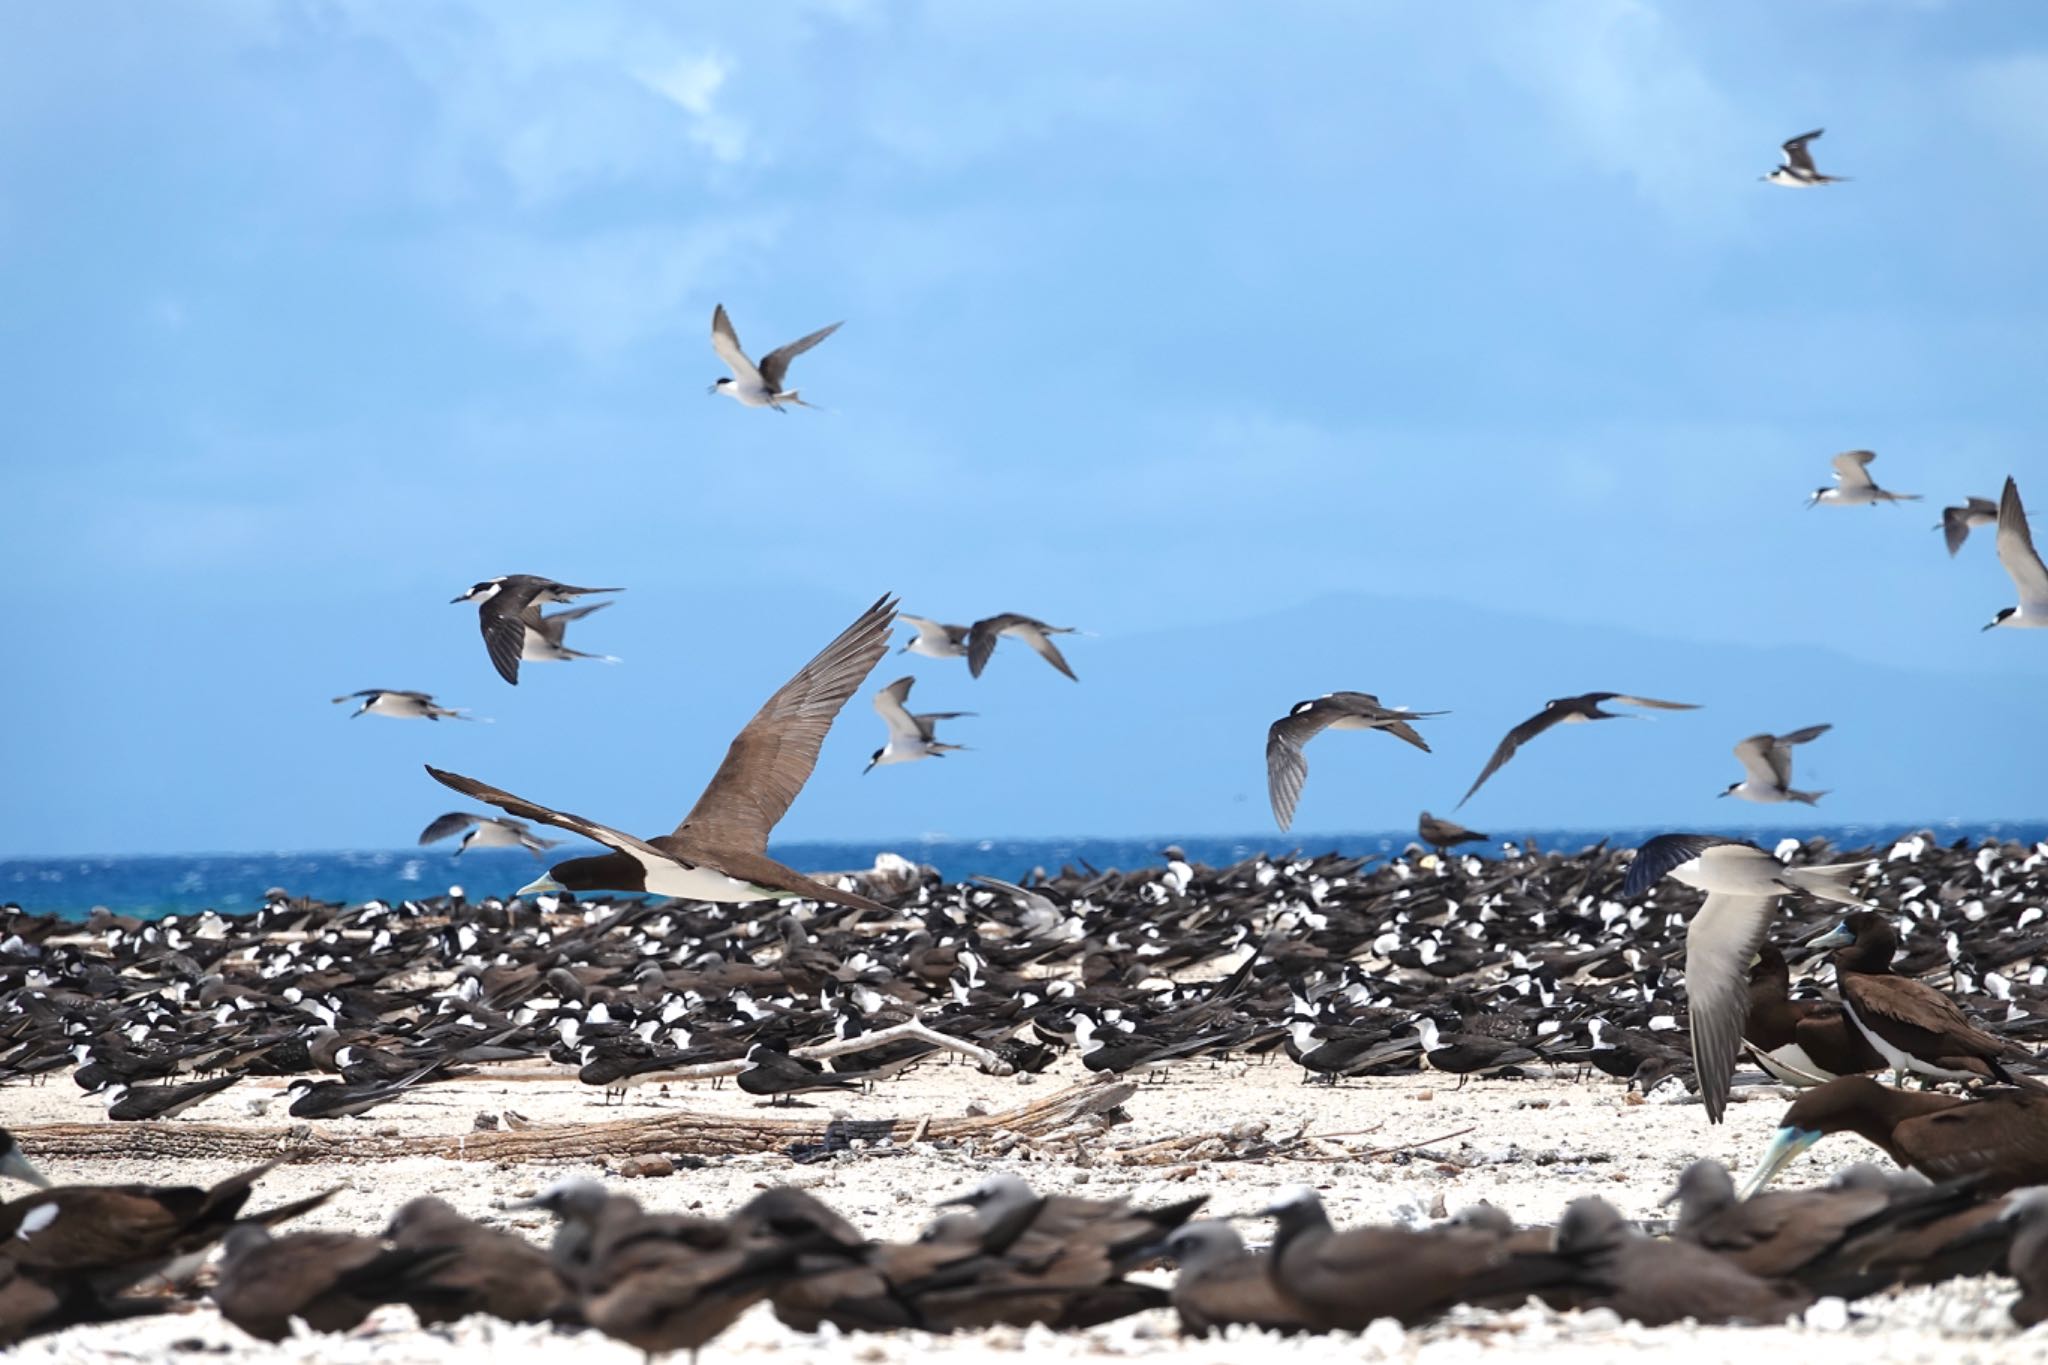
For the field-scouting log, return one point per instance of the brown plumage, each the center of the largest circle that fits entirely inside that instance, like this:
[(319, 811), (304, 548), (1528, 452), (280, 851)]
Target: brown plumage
[(1657, 1282), (1222, 1285), (766, 766), (1908, 1022), (1999, 1137), (1559, 711), (329, 1280), (499, 1273), (1786, 1034)]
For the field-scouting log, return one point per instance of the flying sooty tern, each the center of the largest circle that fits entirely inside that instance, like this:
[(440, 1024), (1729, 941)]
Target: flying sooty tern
[(719, 851), (1742, 883), (384, 701), (759, 386), (910, 736), (1958, 522), (508, 610), (1564, 711), (1767, 764), (484, 831), (982, 636), (1798, 171), (1853, 485), (1287, 767), (934, 639), (2022, 564)]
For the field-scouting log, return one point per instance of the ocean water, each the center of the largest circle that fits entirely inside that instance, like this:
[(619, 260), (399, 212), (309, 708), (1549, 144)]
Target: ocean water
[(237, 881)]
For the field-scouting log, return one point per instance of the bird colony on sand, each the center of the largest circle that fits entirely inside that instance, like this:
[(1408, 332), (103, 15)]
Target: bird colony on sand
[(1533, 963)]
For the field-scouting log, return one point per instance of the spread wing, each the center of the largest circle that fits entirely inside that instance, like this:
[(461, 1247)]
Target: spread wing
[(1781, 750), (1652, 702), (518, 805), (772, 758), (726, 342), (1798, 155), (775, 364), (2017, 553), (1286, 766), (503, 620), (1658, 856), (1035, 636), (1758, 758), (889, 705), (552, 626), (1719, 945), (454, 822), (982, 636), (936, 630), (1515, 739), (1852, 466)]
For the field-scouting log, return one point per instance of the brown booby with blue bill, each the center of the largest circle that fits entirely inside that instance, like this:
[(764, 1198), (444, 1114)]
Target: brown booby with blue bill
[(1287, 766), (508, 609), (1564, 711), (1913, 1026), (719, 851), (1999, 1138)]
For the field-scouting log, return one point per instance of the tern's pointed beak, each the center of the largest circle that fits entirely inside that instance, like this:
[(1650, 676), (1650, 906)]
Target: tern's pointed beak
[(711, 388), (1789, 1143), (1720, 793), (16, 1165), (453, 600), (543, 885)]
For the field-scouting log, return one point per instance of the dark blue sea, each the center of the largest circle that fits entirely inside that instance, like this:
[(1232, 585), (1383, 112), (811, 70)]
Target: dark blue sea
[(237, 881)]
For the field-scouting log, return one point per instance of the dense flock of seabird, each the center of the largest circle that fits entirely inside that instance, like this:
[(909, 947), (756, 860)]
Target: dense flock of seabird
[(1536, 963), (1344, 967)]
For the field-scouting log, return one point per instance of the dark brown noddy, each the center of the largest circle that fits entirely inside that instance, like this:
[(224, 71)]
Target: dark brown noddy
[(1658, 1282)]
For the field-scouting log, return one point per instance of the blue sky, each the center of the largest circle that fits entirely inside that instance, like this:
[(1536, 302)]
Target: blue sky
[(1416, 328)]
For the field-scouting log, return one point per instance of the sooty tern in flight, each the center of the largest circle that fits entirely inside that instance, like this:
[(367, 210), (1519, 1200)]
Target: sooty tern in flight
[(1563, 711), (1853, 485), (508, 609), (934, 639), (1798, 171), (1958, 522), (484, 831), (910, 735), (383, 701), (2022, 563), (1767, 762), (719, 851), (1287, 767), (758, 386), (982, 636)]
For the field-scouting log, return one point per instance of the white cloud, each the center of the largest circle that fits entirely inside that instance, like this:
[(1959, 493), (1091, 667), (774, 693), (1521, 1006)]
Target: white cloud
[(693, 83)]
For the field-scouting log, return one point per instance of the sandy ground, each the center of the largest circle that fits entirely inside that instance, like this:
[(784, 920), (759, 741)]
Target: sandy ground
[(1531, 1146)]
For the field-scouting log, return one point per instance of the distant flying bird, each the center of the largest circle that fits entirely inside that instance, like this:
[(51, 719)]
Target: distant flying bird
[(1853, 485), (758, 386), (544, 644), (1798, 171), (1767, 762), (1958, 522), (484, 831), (1564, 711), (910, 736), (508, 611), (982, 635), (1442, 835), (934, 639), (383, 701), (1287, 767), (2022, 564), (719, 851)]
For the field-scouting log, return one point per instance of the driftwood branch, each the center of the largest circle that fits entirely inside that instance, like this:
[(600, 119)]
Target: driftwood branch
[(839, 1047), (670, 1134)]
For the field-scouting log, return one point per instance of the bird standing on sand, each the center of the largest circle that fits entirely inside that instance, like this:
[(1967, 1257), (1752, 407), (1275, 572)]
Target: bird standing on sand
[(719, 851), (384, 701), (1767, 761), (758, 386), (1853, 485), (911, 736), (1287, 766), (982, 636), (1563, 711), (2022, 564), (508, 610), (1798, 172)]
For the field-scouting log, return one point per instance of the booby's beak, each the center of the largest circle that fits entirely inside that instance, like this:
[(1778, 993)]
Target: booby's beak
[(1837, 937), (543, 885), (16, 1165), (1789, 1143)]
